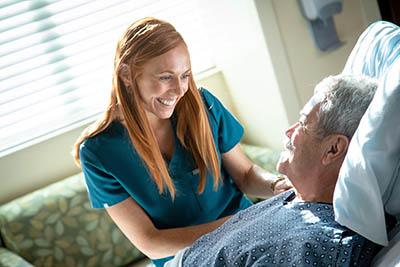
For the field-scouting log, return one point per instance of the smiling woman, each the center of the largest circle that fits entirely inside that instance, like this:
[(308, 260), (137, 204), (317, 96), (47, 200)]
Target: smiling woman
[(164, 160)]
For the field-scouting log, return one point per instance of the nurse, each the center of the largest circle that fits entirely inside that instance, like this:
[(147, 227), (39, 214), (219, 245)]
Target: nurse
[(164, 159)]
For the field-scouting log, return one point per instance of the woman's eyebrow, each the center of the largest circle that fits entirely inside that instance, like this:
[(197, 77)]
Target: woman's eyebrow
[(171, 72)]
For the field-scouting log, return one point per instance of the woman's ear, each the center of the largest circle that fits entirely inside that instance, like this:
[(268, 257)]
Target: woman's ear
[(336, 148), (125, 74)]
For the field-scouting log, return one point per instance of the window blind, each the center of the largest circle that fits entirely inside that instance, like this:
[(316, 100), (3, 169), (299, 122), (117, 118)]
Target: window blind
[(56, 60)]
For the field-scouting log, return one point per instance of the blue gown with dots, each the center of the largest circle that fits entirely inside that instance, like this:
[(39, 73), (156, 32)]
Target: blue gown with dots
[(277, 232)]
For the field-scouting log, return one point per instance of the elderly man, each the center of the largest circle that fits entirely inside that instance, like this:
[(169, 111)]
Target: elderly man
[(297, 227)]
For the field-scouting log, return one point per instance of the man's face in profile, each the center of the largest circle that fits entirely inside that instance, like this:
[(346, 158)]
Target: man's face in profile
[(302, 155)]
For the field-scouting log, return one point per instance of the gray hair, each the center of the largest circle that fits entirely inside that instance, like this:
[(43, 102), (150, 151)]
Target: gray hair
[(343, 101)]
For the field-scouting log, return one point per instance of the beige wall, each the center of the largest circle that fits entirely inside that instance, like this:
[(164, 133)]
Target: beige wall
[(308, 65), (245, 60), (267, 66), (37, 165)]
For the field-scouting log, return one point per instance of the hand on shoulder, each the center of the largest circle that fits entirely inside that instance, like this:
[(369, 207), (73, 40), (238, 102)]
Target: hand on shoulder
[(280, 185)]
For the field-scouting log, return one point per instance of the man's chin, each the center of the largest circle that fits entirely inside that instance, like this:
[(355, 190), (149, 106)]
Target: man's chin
[(283, 160)]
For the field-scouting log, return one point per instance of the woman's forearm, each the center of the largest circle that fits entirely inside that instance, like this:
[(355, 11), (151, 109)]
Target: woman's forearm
[(167, 242), (136, 225), (260, 183), (257, 182)]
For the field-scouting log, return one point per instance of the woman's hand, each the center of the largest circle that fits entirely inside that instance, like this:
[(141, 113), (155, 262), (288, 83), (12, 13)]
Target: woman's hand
[(281, 185), (250, 178)]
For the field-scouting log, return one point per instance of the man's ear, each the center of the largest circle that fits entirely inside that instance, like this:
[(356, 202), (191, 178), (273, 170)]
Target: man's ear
[(125, 74), (336, 148)]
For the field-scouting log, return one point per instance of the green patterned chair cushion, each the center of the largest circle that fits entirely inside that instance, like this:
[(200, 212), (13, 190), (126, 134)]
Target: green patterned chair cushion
[(264, 157), (56, 226)]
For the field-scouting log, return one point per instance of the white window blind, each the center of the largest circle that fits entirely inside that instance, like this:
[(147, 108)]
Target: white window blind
[(56, 60)]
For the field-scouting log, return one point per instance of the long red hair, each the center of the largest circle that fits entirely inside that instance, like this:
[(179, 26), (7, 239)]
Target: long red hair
[(142, 41)]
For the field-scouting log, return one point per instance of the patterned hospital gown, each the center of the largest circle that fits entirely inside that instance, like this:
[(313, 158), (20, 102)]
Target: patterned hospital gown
[(276, 232)]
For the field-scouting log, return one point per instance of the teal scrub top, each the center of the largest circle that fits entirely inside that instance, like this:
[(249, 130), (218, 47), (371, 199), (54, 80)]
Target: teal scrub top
[(114, 171)]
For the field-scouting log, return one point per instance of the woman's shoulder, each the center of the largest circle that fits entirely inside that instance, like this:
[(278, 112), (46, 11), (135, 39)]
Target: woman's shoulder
[(211, 101), (110, 150), (115, 135), (207, 96)]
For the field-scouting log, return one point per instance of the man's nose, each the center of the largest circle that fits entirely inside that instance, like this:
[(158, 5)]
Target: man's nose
[(289, 131)]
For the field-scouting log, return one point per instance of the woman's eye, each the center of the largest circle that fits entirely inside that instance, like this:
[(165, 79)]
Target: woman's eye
[(165, 78), (186, 76)]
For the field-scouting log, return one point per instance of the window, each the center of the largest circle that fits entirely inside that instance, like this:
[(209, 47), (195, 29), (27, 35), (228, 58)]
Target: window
[(56, 60)]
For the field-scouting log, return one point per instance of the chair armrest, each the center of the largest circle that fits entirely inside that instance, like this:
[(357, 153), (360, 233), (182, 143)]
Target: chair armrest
[(10, 259)]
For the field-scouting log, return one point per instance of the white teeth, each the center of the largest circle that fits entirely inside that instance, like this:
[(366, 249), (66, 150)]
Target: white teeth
[(166, 102)]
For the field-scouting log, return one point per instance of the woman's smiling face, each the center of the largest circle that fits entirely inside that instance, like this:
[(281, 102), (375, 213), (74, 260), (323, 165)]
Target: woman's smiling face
[(163, 81)]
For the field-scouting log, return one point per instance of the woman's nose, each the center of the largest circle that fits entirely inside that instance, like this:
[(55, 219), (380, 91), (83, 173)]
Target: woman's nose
[(180, 87)]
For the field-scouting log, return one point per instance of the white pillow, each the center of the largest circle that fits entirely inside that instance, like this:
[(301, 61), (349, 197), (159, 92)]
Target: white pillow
[(369, 178)]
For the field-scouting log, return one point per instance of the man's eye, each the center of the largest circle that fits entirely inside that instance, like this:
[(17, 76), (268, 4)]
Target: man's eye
[(302, 126)]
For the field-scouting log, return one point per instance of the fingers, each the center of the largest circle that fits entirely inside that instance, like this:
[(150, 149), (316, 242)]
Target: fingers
[(282, 185)]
